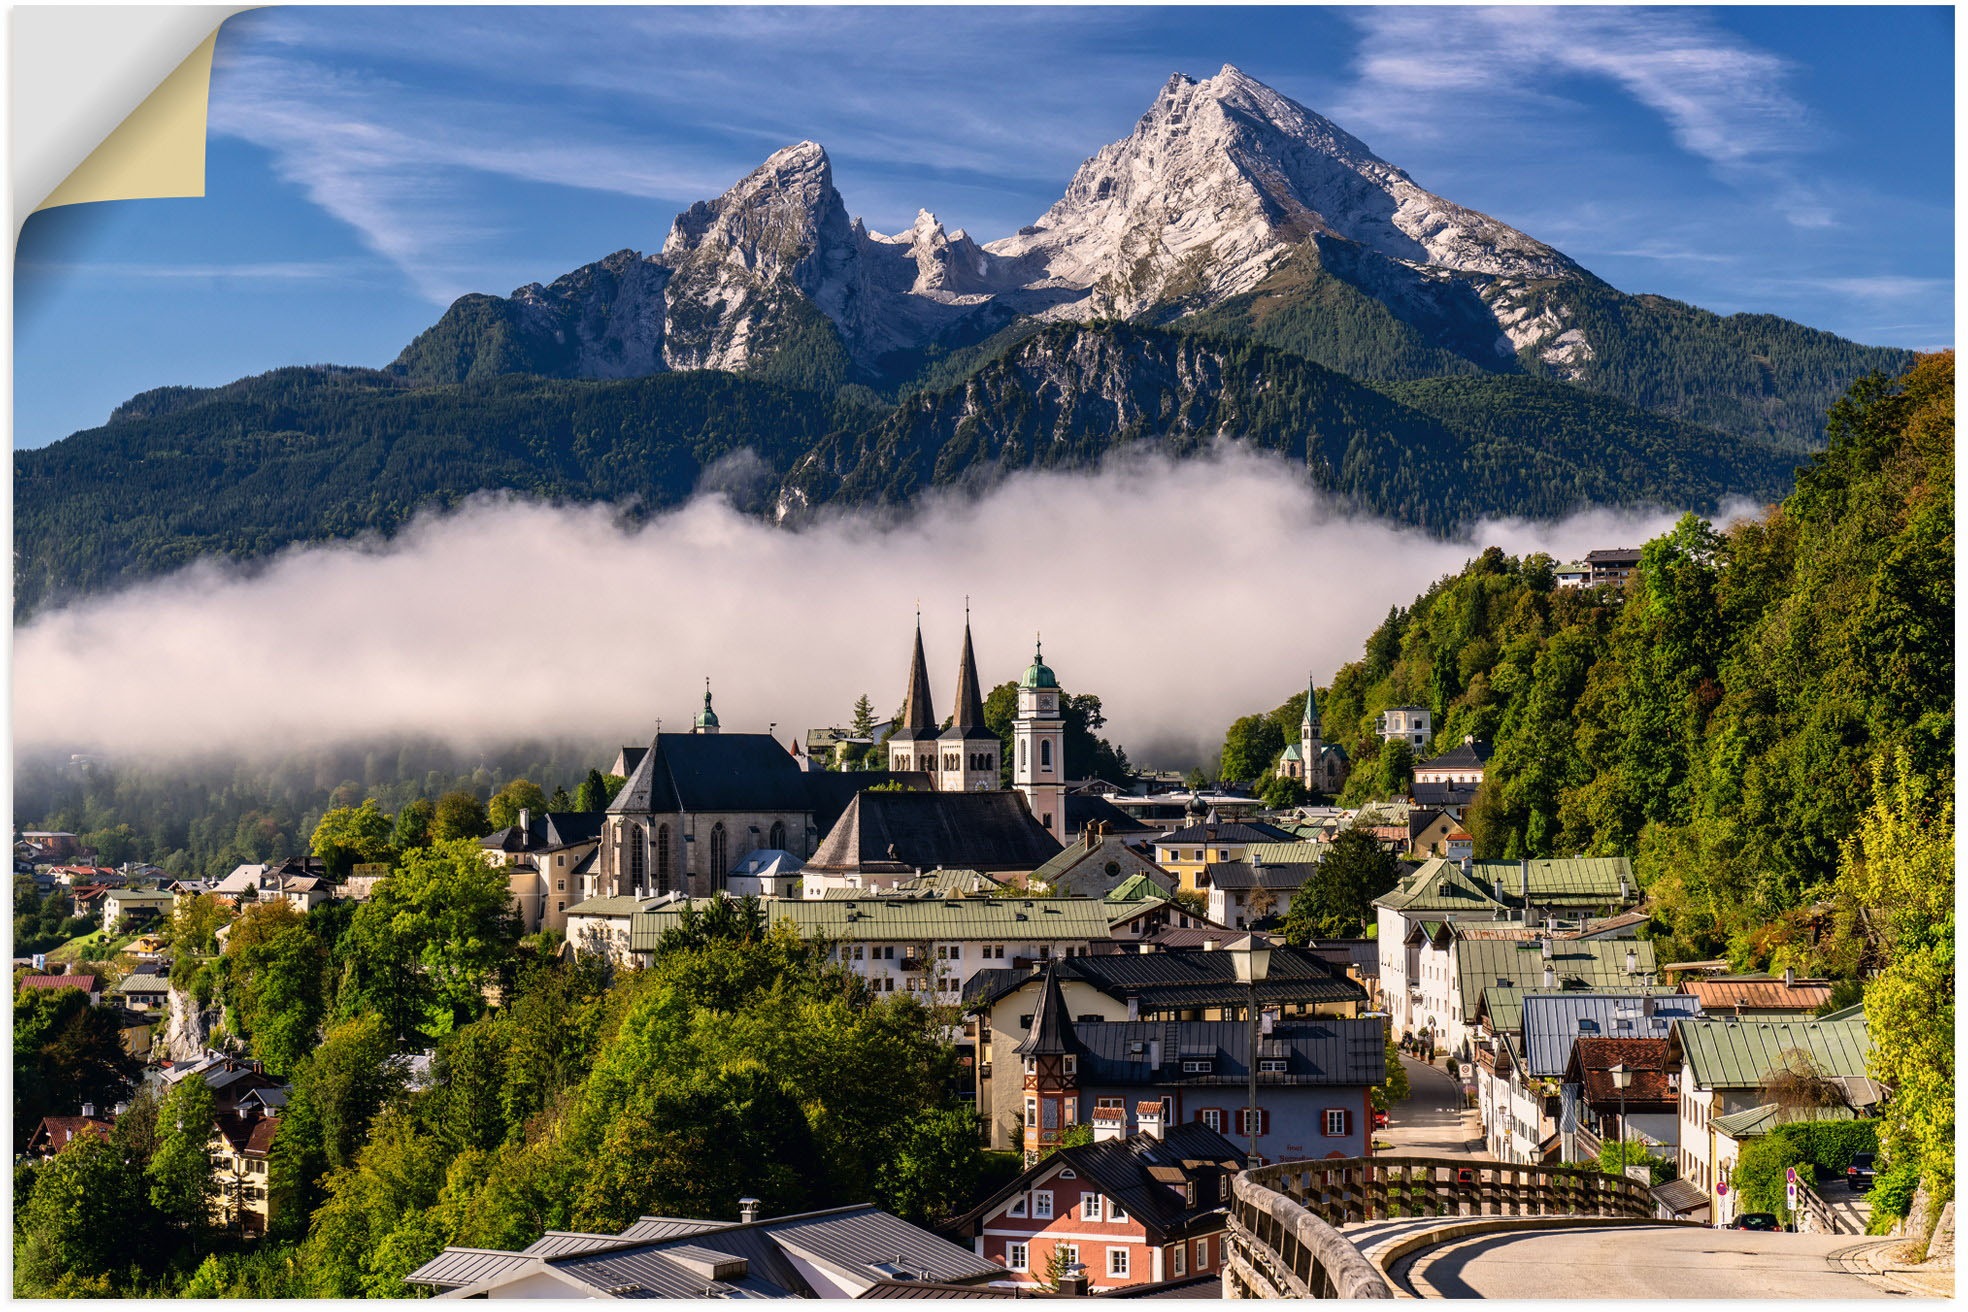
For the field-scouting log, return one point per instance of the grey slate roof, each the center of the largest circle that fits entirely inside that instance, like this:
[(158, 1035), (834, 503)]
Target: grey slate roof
[(901, 833), (1168, 980), (1237, 876), (1051, 1032), (1083, 809), (829, 791), (1233, 832), (1320, 1052), (713, 772), (884, 919), (1463, 756), (1442, 796), (1554, 1021)]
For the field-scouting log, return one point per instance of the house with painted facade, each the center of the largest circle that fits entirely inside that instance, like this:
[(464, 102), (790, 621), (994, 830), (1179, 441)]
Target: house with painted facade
[(1133, 1209), (1187, 853)]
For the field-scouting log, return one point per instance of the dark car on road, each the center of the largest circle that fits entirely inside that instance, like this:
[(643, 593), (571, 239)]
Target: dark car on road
[(1756, 1221), (1858, 1176)]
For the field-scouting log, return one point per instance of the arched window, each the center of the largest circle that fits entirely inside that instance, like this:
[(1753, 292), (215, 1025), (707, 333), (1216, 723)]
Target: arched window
[(638, 858), (1045, 755), (662, 859), (719, 864), (1021, 753), (777, 839)]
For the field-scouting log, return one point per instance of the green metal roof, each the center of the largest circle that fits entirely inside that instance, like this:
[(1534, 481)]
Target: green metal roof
[(1559, 879), (1439, 885), (1292, 753), (1118, 911), (1761, 1120), (1038, 674), (880, 919), (1136, 888), (1284, 854), (1741, 1054), (1486, 963)]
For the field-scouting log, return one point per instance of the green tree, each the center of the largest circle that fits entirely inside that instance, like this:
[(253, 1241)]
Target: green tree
[(1616, 1155), (1281, 792), (506, 804), (278, 974), (78, 1218), (459, 815), (349, 835), (183, 1188), (66, 1053), (1337, 900), (1251, 747), (560, 801), (934, 1171), (413, 825), (863, 723), (195, 923), (593, 794)]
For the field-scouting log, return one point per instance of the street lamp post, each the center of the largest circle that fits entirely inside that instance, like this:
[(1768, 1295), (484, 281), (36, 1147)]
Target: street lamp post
[(1252, 957), (1622, 1077)]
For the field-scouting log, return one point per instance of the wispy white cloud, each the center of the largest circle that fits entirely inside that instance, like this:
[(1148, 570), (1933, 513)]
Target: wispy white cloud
[(1722, 99), (161, 667), (262, 271)]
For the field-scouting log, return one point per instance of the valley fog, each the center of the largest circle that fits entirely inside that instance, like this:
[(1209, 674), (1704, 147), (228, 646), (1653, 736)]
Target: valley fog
[(1183, 594)]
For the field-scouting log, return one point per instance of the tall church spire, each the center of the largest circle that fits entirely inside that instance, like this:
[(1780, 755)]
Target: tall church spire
[(1311, 702), (970, 695), (918, 713)]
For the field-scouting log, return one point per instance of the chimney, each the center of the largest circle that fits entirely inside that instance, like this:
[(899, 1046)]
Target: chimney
[(1148, 1120), (748, 1210), (1550, 976), (1134, 1006), (88, 1111), (1790, 976), (525, 823), (120, 1108), (1632, 962), (1073, 1281), (1109, 1123)]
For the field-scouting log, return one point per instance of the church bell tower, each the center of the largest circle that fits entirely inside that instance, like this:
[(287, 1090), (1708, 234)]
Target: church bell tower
[(1039, 740)]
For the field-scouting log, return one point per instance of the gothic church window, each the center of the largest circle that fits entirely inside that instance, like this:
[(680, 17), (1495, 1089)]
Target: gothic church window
[(777, 839), (719, 849), (662, 859), (638, 857)]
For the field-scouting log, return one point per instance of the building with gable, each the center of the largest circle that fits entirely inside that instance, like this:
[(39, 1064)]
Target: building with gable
[(1140, 1209)]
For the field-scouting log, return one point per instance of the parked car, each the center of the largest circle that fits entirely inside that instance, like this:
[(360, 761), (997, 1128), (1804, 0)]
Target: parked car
[(1380, 1120), (1756, 1221), (1858, 1176)]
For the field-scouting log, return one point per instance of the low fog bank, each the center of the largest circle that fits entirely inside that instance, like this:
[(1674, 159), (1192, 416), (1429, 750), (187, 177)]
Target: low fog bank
[(1184, 594)]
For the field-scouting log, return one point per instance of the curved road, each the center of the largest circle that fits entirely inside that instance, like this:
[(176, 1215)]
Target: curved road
[(1429, 1122), (1632, 1261)]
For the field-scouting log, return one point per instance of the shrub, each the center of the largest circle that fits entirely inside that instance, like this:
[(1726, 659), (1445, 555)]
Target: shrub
[(1826, 1146)]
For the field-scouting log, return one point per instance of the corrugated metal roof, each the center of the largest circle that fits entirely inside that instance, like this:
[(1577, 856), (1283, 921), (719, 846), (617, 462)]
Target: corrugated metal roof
[(556, 1242), (1552, 1022), (1741, 1054), (1598, 964), (1759, 994), (1282, 854), (1556, 879), (1761, 1120), (1020, 920), (668, 1227), (455, 1268), (1239, 875), (863, 1239)]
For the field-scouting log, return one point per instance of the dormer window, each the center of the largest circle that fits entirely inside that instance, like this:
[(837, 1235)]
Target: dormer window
[(1072, 1064), (1189, 1193)]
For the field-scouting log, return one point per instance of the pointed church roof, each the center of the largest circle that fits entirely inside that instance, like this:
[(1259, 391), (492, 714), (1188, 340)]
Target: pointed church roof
[(1311, 701), (918, 714), (1052, 1028), (969, 723)]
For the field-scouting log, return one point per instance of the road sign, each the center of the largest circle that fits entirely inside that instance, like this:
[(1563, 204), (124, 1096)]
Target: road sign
[(1721, 1187), (1790, 1195), (1790, 1175)]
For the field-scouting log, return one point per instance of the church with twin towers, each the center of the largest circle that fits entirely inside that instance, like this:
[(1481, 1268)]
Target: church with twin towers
[(964, 756)]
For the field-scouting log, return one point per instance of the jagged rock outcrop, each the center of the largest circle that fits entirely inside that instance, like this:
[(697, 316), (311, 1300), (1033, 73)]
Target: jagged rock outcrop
[(187, 1027)]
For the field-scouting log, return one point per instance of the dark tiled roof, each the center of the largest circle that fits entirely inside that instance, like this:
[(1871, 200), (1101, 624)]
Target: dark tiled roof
[(829, 791), (906, 832), (1319, 1052), (1235, 831), (1239, 875), (1209, 979), (714, 772), (1185, 1287), (1463, 756), (1592, 1061), (1085, 808)]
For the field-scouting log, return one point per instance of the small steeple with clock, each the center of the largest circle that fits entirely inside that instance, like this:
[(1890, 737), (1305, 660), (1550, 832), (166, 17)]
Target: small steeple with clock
[(1039, 742)]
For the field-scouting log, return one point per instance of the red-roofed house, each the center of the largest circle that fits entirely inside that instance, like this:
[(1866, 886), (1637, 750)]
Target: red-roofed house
[(55, 1133), (71, 980)]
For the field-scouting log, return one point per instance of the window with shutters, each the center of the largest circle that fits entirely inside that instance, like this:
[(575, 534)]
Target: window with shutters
[(1211, 1117), (1335, 1122)]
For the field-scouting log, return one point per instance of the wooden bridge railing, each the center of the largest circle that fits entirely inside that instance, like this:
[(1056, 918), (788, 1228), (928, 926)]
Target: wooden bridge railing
[(1284, 1236)]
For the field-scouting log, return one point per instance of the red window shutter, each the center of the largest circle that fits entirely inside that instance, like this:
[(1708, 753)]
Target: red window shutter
[(1264, 1120)]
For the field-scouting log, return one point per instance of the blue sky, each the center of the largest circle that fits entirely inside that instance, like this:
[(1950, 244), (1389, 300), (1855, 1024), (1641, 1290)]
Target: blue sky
[(367, 166)]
